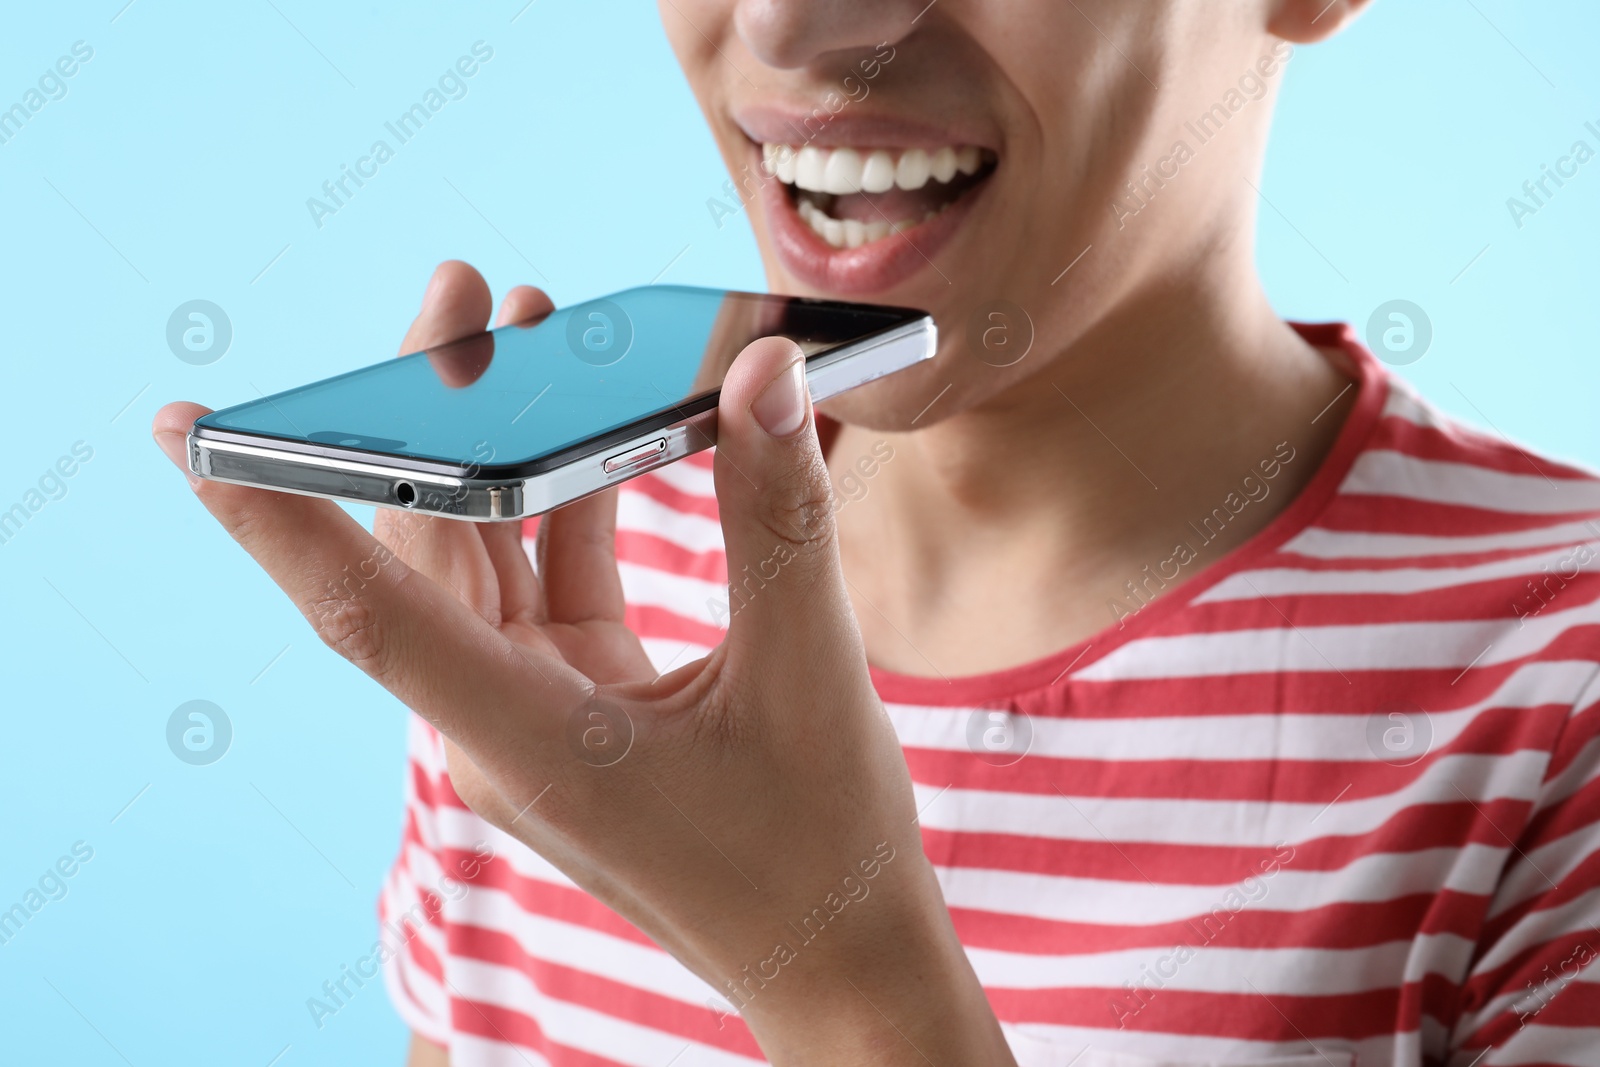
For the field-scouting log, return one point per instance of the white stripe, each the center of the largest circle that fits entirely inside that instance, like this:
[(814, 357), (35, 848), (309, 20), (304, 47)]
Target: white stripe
[(690, 477), (422, 872), (1324, 649), (1341, 544), (1536, 1043), (1366, 879), (1530, 875), (1561, 566), (1403, 402), (704, 602), (1540, 926), (670, 654), (1264, 736), (1230, 823), (426, 751), (1048, 1045), (696, 533), (1286, 971), (1380, 472)]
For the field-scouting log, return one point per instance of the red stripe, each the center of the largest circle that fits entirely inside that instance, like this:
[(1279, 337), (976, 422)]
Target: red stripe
[(1509, 600), (1377, 514), (650, 621), (1412, 829), (1333, 926), (1441, 562), (1239, 1016), (658, 553)]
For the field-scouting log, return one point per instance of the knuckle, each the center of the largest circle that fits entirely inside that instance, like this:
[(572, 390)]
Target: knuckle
[(350, 626), (797, 509), (474, 787), (475, 792)]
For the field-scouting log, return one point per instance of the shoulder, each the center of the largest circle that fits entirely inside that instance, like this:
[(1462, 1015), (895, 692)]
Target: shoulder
[(1428, 490), (1449, 532), (1418, 453)]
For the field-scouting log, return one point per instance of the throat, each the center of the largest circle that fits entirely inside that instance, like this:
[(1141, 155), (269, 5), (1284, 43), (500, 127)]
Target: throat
[(1005, 536)]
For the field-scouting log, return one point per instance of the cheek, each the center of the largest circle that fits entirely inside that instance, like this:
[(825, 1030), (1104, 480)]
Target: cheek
[(691, 26)]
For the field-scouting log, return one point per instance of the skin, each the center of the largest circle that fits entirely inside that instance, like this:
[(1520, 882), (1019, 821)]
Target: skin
[(775, 747)]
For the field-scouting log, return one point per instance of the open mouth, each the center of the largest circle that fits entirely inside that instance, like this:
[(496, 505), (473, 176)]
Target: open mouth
[(851, 197)]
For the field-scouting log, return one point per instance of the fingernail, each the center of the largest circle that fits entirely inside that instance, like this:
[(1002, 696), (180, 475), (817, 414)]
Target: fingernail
[(176, 446), (780, 408)]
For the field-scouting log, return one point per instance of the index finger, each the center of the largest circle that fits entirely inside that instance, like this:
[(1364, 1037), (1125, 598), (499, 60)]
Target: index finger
[(455, 304)]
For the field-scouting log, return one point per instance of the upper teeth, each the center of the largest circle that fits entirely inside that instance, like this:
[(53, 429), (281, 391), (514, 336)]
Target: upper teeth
[(847, 170)]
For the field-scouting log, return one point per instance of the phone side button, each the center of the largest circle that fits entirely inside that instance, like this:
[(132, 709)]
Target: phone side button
[(636, 457)]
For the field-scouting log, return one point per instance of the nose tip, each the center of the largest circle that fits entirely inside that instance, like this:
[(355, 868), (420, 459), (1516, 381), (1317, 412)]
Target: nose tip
[(787, 34), (773, 31)]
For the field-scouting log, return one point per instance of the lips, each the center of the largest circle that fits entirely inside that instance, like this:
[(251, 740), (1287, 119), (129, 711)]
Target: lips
[(863, 217)]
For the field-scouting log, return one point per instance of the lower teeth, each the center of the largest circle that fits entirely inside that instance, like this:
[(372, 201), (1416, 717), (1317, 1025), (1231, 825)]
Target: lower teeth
[(852, 233)]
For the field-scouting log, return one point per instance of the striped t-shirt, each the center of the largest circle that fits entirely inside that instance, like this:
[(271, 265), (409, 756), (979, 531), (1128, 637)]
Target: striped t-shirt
[(1332, 798)]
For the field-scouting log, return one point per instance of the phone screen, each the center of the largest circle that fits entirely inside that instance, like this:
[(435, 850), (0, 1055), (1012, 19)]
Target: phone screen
[(535, 389)]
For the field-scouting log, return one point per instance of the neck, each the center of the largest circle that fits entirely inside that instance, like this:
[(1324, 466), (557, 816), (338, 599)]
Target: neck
[(1009, 530)]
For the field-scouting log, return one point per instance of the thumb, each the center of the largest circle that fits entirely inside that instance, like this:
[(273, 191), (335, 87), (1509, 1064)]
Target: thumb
[(785, 586)]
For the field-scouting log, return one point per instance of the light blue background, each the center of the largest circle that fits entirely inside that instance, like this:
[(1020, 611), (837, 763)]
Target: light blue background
[(183, 154)]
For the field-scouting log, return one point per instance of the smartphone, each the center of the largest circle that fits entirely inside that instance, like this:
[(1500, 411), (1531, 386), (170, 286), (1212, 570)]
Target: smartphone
[(520, 420)]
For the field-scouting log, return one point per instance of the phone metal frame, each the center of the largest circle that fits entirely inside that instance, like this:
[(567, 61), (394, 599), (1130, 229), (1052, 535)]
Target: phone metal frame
[(358, 477)]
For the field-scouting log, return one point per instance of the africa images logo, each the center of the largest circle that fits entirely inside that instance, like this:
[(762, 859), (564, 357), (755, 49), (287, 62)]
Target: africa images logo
[(199, 732)]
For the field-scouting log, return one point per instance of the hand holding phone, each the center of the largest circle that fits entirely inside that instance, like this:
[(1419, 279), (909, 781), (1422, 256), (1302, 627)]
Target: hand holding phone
[(748, 781)]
